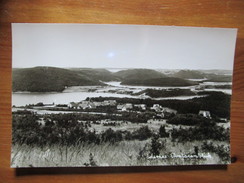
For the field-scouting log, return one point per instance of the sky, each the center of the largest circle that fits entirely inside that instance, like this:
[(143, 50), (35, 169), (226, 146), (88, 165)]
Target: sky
[(122, 46)]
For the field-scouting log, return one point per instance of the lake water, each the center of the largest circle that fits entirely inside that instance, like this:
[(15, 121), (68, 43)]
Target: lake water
[(22, 99), (77, 94)]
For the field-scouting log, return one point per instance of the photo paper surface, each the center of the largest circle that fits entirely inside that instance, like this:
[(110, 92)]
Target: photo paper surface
[(120, 95)]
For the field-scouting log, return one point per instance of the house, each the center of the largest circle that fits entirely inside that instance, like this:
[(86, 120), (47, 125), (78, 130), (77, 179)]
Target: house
[(141, 106), (168, 110), (205, 114), (128, 106), (97, 104), (86, 105), (73, 105), (156, 107), (125, 107), (109, 102), (82, 105), (120, 106)]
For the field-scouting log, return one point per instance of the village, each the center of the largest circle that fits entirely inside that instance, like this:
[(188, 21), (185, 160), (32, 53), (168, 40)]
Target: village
[(129, 107), (120, 107)]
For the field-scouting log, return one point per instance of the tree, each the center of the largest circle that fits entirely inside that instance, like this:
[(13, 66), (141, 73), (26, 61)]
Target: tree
[(162, 132), (155, 145)]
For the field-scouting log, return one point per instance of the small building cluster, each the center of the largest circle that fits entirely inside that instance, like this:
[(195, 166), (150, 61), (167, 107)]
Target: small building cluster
[(121, 107), (159, 108), (91, 105)]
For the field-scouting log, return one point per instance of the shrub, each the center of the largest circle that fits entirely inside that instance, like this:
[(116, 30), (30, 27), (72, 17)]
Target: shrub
[(155, 146), (222, 151), (162, 132), (187, 119), (202, 132), (111, 136), (142, 133)]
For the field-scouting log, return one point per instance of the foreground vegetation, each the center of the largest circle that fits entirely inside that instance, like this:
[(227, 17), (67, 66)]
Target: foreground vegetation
[(73, 140), (124, 153)]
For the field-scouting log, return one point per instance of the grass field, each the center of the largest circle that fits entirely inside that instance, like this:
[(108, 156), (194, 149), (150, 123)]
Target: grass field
[(124, 153)]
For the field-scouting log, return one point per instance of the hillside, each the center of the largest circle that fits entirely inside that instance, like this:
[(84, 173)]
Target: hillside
[(211, 77), (96, 74), (169, 81), (138, 74), (155, 93), (217, 103), (188, 74), (48, 79), (218, 78)]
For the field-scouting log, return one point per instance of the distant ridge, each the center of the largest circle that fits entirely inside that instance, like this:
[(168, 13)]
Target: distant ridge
[(169, 81), (138, 74), (189, 74), (95, 74)]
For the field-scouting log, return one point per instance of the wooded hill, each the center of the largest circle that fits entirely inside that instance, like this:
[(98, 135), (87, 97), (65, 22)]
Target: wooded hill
[(48, 79)]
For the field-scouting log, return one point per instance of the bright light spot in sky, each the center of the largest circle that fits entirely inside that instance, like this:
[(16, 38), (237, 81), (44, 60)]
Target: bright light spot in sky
[(110, 54)]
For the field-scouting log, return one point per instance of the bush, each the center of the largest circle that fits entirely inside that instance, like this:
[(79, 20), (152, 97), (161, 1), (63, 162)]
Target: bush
[(188, 119), (155, 146), (222, 151), (162, 132), (142, 133), (202, 132), (111, 136)]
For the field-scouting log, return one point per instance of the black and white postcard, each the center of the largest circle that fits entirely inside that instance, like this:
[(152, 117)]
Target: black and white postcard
[(120, 95)]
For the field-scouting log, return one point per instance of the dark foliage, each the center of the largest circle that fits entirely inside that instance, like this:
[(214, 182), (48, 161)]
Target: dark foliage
[(189, 74), (218, 78), (25, 128), (169, 81), (48, 79), (222, 151), (204, 131), (187, 119), (162, 132), (142, 133), (166, 93), (22, 112), (66, 129), (217, 103), (155, 146), (95, 74), (138, 74), (111, 136)]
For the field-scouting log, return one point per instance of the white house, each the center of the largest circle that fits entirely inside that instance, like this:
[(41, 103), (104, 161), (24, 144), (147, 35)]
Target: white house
[(120, 106), (73, 105), (156, 107), (86, 105), (168, 110), (205, 114), (98, 104), (125, 107)]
